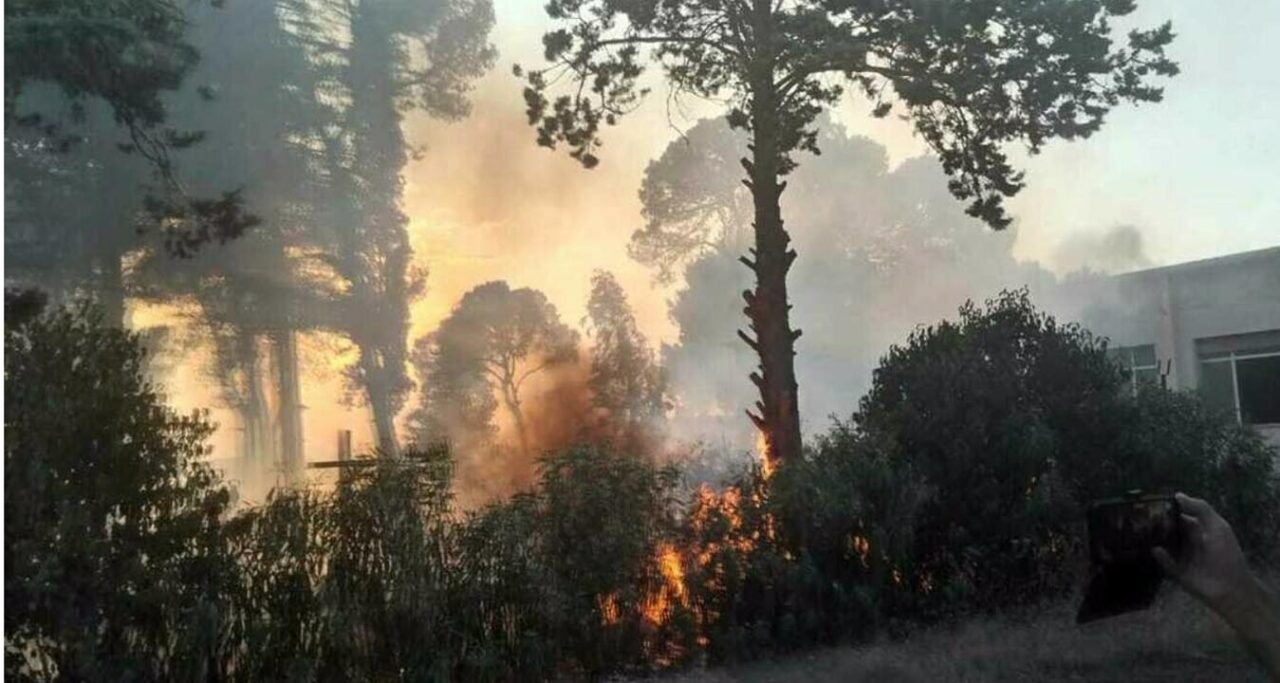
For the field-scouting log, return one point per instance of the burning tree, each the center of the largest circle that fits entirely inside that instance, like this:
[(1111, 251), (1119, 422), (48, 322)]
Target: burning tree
[(972, 75)]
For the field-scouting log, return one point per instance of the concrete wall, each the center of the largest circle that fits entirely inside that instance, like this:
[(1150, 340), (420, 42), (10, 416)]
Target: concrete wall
[(1174, 306)]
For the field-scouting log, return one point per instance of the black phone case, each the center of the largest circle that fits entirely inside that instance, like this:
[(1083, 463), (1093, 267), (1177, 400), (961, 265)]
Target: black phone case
[(1120, 587)]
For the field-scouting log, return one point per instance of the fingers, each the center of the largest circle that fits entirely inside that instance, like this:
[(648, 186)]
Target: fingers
[(1195, 507)]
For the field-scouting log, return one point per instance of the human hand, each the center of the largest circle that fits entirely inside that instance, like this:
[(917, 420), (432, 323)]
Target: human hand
[(1211, 566)]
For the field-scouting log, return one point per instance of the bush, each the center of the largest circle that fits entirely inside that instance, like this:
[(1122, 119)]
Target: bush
[(760, 579), (958, 485), (969, 463), (115, 558), (381, 580)]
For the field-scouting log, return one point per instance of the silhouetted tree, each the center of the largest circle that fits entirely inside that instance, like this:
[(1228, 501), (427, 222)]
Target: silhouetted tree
[(972, 75), (128, 56), (626, 382), (112, 516), (400, 55), (253, 297), (495, 339), (887, 249)]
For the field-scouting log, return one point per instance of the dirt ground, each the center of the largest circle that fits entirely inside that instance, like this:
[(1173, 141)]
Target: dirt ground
[(1175, 641)]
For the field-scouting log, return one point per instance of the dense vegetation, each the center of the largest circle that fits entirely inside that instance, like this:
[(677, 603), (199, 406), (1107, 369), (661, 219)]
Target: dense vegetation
[(956, 486)]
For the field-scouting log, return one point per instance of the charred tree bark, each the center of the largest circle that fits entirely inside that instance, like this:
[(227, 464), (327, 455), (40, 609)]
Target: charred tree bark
[(289, 404), (777, 413)]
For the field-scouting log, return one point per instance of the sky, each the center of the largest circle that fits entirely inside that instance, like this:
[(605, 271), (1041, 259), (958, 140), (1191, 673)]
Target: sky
[(1195, 175)]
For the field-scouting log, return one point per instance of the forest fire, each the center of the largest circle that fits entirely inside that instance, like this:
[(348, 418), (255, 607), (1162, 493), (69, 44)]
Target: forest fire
[(762, 450), (671, 592)]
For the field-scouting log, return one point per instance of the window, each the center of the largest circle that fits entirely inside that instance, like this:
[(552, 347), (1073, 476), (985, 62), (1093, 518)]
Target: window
[(1139, 362), (1241, 375)]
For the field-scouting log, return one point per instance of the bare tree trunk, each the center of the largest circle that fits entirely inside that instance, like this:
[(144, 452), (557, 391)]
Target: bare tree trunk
[(778, 413), (289, 404), (380, 404), (257, 441), (512, 401), (384, 424)]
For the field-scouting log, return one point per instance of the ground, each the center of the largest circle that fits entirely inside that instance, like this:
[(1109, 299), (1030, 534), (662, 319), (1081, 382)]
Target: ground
[(1176, 640)]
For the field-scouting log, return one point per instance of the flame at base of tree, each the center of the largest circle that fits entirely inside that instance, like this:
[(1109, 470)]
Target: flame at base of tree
[(762, 450)]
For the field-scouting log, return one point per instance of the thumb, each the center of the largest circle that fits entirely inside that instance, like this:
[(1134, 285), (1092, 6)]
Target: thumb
[(1166, 562)]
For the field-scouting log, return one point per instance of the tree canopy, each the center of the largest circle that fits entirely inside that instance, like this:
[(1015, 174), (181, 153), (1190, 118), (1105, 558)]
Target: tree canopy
[(128, 55), (493, 342), (972, 75), (626, 382)]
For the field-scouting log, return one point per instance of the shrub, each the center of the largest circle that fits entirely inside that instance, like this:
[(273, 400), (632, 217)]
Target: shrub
[(760, 578), (352, 584), (381, 580), (969, 463), (115, 558), (607, 518)]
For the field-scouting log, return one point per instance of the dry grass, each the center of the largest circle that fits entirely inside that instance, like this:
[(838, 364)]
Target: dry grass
[(1176, 640)]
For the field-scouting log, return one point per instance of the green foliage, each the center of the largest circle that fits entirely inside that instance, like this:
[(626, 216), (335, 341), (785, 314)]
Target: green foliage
[(761, 581), (380, 580), (351, 585), (958, 485), (128, 55), (626, 382), (1056, 67), (981, 442), (604, 515), (112, 521)]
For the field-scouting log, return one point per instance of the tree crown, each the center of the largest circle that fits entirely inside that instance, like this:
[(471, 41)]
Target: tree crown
[(972, 75)]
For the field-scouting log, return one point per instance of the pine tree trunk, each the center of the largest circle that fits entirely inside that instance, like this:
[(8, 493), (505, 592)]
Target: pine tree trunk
[(289, 404), (778, 413)]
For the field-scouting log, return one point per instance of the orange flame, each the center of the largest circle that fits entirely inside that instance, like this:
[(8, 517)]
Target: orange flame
[(608, 605), (861, 546), (672, 591), (762, 450)]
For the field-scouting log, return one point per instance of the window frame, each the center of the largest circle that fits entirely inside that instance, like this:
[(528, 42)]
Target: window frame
[(1127, 356), (1232, 357)]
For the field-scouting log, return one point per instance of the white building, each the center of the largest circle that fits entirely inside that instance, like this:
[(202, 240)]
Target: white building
[(1211, 325)]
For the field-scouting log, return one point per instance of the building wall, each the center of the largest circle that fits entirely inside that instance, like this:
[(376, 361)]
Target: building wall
[(1173, 307)]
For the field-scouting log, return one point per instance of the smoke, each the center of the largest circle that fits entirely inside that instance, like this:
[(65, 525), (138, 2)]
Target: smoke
[(485, 202), (1117, 250), (559, 413)]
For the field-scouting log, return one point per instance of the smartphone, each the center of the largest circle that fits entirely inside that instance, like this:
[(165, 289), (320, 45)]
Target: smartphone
[(1123, 531)]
